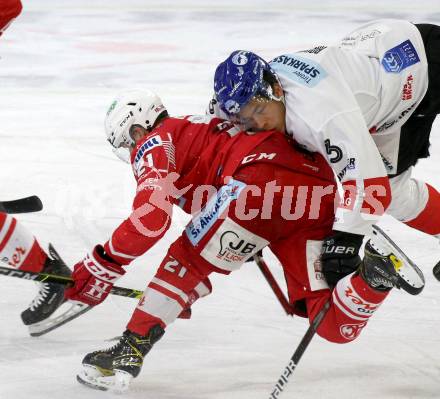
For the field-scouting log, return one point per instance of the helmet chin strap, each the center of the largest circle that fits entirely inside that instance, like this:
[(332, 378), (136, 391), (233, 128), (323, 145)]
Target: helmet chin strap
[(272, 96), (280, 98)]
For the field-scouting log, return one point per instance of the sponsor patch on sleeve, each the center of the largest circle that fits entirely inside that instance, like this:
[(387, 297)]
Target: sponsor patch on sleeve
[(314, 266), (138, 162), (400, 57), (303, 70), (216, 205)]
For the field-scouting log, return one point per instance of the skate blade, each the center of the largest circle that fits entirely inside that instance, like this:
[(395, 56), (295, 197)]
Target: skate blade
[(59, 318), (119, 382), (409, 277)]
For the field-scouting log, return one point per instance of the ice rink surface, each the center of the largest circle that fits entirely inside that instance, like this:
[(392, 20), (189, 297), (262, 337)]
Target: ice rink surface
[(61, 64)]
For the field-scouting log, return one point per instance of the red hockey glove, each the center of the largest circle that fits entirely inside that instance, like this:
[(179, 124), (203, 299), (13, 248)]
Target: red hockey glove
[(94, 277)]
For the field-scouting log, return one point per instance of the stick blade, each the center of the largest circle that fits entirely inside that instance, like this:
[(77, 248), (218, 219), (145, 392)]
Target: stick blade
[(22, 205)]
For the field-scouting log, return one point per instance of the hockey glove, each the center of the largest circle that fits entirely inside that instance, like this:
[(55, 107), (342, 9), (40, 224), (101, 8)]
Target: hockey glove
[(340, 256), (94, 277)]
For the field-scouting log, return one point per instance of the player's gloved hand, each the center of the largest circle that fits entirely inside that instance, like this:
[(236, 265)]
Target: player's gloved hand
[(340, 255), (94, 277)]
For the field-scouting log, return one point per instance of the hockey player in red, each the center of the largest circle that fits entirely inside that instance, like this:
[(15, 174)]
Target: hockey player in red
[(20, 250), (367, 104), (245, 192), (9, 10)]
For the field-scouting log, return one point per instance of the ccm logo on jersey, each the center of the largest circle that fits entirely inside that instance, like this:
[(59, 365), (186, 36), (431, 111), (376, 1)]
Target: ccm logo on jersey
[(258, 157), (231, 245)]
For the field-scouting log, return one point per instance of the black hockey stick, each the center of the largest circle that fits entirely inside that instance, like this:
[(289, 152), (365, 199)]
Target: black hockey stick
[(273, 284), (53, 278), (297, 355), (410, 278), (22, 205), (436, 271)]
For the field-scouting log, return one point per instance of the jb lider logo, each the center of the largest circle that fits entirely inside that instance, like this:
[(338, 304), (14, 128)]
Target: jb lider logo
[(233, 248)]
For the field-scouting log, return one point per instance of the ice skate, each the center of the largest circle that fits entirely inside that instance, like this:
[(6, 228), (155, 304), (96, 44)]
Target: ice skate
[(114, 368), (385, 266), (50, 301)]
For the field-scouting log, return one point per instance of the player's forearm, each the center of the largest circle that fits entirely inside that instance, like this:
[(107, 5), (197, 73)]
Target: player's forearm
[(135, 236)]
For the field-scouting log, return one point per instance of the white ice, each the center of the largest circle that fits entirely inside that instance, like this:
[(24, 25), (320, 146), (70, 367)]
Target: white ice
[(61, 64)]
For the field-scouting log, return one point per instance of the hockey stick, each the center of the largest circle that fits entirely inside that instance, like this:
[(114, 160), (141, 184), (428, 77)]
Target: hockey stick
[(297, 355), (409, 277), (416, 275), (436, 271), (22, 205), (273, 284), (53, 278)]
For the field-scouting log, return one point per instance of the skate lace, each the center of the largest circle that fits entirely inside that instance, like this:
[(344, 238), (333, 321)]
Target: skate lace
[(41, 296), (114, 347)]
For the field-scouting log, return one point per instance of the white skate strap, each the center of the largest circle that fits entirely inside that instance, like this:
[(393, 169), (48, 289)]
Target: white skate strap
[(68, 311), (410, 277)]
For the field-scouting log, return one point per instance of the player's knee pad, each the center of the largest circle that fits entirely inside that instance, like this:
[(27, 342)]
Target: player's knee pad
[(174, 288)]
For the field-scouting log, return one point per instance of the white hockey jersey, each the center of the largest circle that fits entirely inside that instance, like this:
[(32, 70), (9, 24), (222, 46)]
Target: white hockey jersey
[(349, 101)]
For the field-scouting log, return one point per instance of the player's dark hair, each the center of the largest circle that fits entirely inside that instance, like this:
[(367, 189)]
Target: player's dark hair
[(269, 79)]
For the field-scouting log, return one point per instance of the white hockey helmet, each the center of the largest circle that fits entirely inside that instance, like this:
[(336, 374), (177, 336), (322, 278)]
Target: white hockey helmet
[(134, 107)]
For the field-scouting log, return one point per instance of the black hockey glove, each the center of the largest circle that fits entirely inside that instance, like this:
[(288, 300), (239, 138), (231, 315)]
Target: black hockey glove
[(340, 256)]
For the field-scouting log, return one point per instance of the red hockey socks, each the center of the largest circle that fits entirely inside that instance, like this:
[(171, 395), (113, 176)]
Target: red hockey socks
[(428, 220), (18, 247), (354, 302)]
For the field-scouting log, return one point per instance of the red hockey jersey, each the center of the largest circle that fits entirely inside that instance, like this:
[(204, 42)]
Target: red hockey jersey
[(9, 10)]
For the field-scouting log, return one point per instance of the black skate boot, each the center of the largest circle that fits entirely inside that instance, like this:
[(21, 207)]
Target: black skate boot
[(50, 296), (113, 368), (378, 269), (386, 265)]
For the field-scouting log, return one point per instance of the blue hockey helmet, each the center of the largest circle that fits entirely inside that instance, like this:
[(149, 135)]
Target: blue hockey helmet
[(239, 78)]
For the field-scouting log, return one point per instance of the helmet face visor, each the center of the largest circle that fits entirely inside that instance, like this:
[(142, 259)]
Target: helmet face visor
[(121, 145)]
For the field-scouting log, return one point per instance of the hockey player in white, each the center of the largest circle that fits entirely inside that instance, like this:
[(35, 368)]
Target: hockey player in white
[(367, 104)]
